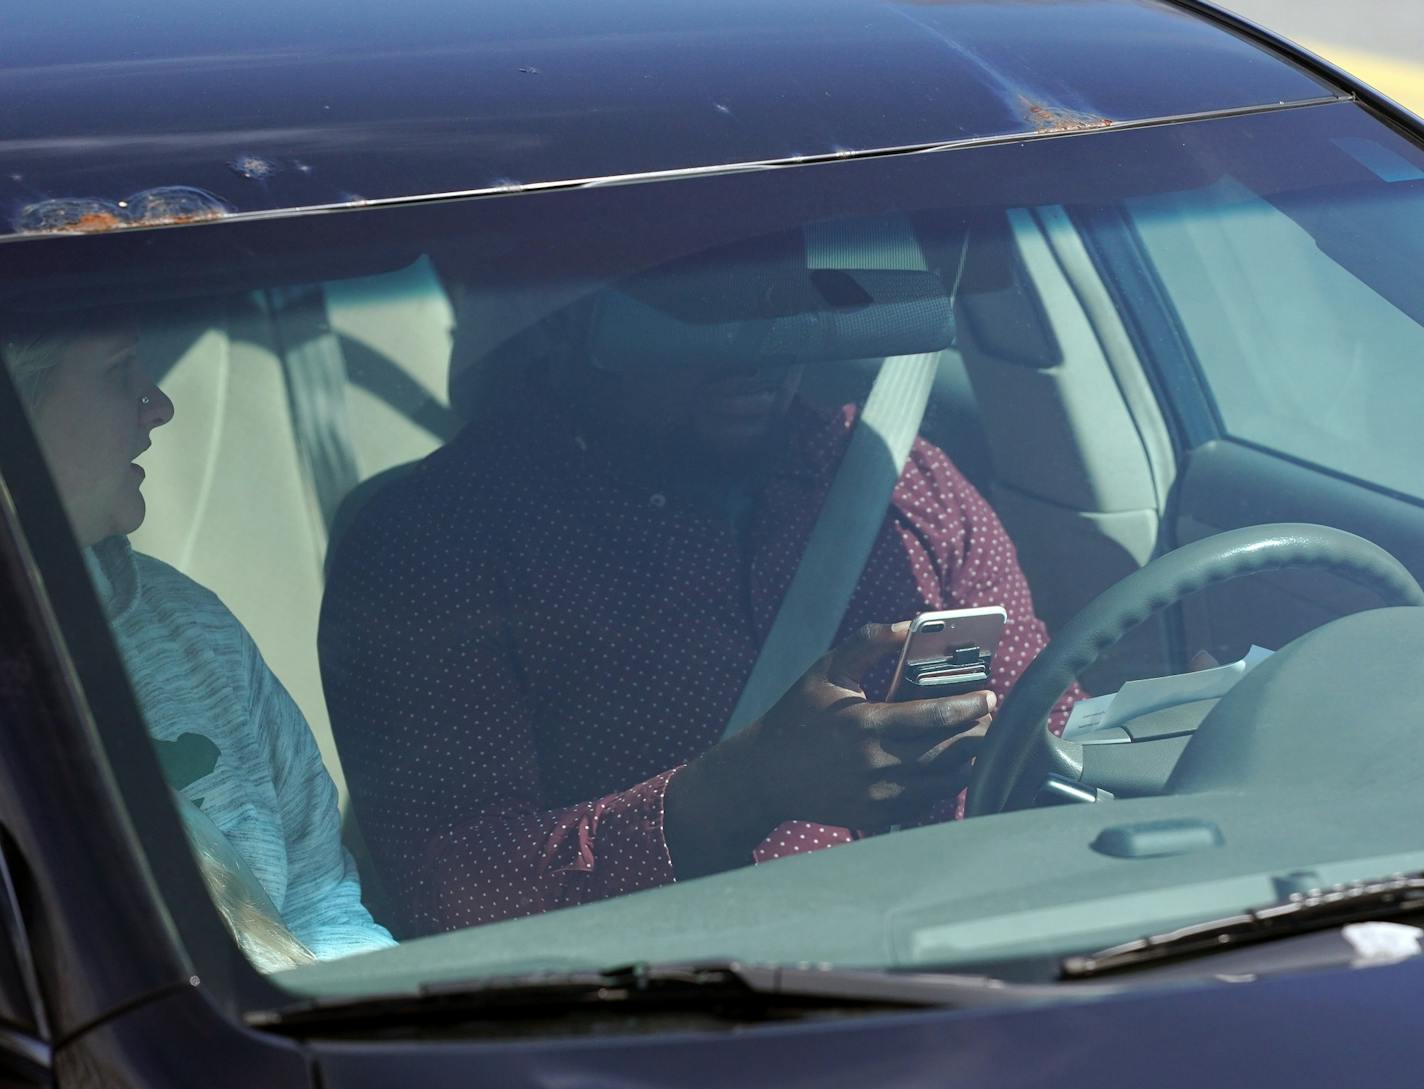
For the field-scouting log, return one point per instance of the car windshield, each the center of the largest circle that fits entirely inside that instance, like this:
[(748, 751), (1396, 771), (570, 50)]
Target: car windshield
[(521, 582)]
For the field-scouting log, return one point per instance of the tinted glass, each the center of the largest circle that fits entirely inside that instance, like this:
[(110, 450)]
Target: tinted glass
[(461, 528)]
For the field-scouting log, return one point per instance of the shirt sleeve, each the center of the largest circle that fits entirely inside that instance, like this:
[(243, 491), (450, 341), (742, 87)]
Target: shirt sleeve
[(979, 567), (322, 905), (439, 745)]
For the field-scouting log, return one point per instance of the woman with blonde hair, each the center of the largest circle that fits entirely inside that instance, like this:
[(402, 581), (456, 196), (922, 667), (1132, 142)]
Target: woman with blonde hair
[(258, 803)]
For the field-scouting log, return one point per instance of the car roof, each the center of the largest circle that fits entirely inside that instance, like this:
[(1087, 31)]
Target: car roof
[(273, 105)]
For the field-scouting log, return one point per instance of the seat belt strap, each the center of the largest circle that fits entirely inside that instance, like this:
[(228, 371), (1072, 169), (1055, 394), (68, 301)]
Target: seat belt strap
[(314, 367), (845, 531), (859, 495)]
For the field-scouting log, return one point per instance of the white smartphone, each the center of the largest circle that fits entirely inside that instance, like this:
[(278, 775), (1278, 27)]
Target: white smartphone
[(947, 653)]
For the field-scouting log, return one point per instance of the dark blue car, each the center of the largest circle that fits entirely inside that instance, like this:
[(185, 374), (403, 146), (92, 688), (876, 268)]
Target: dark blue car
[(854, 543)]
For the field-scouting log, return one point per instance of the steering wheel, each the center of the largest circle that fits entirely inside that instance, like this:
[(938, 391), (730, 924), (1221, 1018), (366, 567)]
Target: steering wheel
[(1020, 749)]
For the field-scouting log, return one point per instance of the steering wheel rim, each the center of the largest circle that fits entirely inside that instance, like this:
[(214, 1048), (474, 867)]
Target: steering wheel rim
[(1020, 740)]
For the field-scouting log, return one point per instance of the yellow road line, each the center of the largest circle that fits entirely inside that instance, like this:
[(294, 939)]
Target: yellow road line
[(1401, 80)]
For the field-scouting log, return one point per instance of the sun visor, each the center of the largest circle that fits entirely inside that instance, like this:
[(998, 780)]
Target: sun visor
[(739, 315)]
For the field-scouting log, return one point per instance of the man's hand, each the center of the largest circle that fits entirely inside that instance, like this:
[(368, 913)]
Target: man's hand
[(824, 753)]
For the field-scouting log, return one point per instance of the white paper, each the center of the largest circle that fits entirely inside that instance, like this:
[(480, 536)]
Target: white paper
[(1137, 698), (1375, 942), (1087, 715)]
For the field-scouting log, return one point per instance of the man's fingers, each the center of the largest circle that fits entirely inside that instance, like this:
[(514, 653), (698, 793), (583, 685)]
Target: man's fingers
[(953, 752), (935, 752), (910, 797), (857, 655), (925, 718)]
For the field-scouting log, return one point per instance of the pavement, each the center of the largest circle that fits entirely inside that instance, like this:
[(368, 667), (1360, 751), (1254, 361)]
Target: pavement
[(1380, 41)]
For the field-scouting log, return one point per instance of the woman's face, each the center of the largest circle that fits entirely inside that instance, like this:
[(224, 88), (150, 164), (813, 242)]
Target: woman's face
[(94, 418)]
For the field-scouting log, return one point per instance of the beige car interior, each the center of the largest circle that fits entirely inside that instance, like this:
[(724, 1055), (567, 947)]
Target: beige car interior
[(232, 490), (1083, 462)]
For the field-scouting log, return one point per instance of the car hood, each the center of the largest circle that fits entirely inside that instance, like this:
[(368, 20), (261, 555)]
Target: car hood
[(153, 113)]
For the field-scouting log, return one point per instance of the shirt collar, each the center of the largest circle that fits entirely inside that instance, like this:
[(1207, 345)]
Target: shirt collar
[(115, 575)]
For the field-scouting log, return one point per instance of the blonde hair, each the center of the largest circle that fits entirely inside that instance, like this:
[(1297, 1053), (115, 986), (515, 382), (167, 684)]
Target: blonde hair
[(34, 347), (262, 937), (250, 916), (32, 356)]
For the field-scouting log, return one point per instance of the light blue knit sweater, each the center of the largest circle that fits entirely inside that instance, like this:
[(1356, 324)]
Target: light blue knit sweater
[(233, 742)]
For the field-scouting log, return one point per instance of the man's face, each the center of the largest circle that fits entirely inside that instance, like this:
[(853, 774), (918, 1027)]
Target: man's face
[(92, 423), (730, 418)]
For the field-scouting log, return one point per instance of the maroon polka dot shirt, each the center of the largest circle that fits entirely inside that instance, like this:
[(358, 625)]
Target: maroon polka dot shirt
[(524, 640)]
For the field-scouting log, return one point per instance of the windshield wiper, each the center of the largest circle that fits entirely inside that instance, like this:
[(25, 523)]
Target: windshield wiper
[(1318, 909), (739, 989)]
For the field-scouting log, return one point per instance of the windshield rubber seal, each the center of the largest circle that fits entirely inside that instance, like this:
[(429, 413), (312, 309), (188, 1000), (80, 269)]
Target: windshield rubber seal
[(714, 170), (1352, 86)]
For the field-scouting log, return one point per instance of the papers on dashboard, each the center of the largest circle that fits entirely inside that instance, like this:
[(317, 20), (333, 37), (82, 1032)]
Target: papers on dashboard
[(1137, 698)]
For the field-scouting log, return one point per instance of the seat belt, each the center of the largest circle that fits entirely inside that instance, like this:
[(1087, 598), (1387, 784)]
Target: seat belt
[(859, 496), (314, 368)]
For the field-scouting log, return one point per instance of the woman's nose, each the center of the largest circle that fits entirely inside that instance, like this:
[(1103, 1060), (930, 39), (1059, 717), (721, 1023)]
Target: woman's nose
[(156, 408)]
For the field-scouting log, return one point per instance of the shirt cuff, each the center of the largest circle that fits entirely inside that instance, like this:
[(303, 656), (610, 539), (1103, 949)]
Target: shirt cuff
[(798, 837), (627, 827)]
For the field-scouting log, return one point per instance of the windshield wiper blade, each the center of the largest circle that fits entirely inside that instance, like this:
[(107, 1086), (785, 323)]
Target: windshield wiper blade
[(1318, 909), (729, 984)]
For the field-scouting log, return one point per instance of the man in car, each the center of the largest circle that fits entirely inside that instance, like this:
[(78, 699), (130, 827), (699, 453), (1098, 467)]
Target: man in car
[(531, 645)]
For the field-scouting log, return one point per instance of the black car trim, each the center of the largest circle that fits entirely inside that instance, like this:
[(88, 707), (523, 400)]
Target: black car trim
[(1314, 63), (26, 1047), (17, 961), (1391, 897)]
